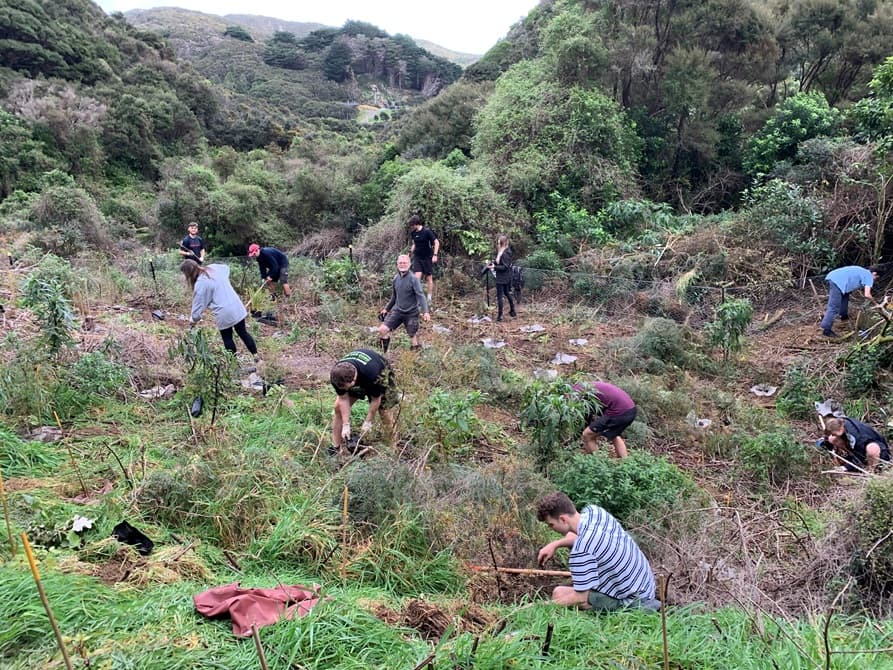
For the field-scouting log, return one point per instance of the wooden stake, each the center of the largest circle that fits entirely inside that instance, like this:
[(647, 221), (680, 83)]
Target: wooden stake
[(71, 455), (495, 568), (12, 542), (521, 571), (663, 581), (46, 603), (260, 649), (345, 498)]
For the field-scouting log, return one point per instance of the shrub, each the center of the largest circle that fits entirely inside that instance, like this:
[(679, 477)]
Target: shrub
[(658, 344), (873, 560), (774, 457), (67, 221), (552, 418), (861, 367), (798, 392), (378, 490), (342, 275), (629, 488), (450, 420), (731, 321), (540, 266)]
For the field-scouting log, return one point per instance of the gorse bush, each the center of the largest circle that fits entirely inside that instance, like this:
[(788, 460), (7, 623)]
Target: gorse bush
[(639, 487)]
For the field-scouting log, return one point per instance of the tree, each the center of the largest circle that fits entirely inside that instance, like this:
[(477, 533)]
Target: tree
[(799, 118), (336, 61), (282, 50), (539, 136), (238, 33)]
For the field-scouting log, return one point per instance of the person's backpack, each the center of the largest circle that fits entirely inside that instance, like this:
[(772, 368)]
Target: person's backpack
[(517, 279)]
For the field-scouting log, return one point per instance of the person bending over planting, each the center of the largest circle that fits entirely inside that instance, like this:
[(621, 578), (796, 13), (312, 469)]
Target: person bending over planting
[(842, 282), (611, 413), (362, 373), (857, 444), (608, 569), (211, 288), (406, 301), (273, 266)]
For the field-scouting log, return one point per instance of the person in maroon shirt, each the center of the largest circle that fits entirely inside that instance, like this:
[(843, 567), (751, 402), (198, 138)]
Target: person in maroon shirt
[(614, 411)]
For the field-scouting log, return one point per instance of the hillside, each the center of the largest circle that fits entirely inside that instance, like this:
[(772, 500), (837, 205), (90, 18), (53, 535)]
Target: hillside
[(300, 67)]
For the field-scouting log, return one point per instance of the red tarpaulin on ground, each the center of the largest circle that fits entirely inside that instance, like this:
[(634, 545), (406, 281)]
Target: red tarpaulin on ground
[(258, 607)]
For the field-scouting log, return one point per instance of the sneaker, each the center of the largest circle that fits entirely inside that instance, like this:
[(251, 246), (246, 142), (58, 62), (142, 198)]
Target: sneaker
[(499, 318), (513, 314), (844, 317), (829, 333)]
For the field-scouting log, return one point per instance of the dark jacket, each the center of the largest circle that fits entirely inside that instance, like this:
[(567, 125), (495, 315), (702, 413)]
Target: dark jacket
[(271, 263), (503, 268)]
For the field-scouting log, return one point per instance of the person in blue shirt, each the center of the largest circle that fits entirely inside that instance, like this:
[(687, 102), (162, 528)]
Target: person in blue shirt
[(842, 282)]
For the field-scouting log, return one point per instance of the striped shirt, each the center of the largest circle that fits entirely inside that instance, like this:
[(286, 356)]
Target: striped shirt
[(606, 559)]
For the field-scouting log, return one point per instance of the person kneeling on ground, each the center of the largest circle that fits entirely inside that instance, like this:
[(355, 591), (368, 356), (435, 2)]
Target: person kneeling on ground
[(859, 445), (362, 373), (406, 301), (211, 288), (609, 570), (614, 412)]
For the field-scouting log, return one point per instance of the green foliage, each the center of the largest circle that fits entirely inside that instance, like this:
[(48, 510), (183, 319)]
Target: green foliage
[(782, 214), (19, 458), (238, 33), (95, 373), (342, 275), (22, 158), (730, 322), (872, 561), (450, 420), (540, 266), (552, 415), (873, 115), (67, 221), (210, 368), (799, 118), (49, 301), (774, 457), (633, 216), (633, 489), (282, 50), (862, 365), (660, 343), (564, 227), (378, 489), (801, 388), (452, 200), (443, 124), (539, 136)]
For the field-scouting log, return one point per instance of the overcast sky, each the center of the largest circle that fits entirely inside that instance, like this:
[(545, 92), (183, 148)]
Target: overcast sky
[(470, 26)]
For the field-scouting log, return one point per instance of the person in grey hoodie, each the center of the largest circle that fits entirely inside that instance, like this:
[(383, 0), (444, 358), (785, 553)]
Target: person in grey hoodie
[(211, 288), (406, 300)]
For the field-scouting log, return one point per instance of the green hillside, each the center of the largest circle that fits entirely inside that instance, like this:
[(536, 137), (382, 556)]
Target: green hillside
[(675, 179)]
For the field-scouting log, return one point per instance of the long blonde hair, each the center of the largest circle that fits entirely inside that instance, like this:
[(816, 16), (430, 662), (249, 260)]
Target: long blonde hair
[(192, 271)]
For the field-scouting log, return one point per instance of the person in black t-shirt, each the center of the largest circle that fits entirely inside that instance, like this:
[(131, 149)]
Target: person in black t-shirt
[(362, 373), (192, 246), (425, 246)]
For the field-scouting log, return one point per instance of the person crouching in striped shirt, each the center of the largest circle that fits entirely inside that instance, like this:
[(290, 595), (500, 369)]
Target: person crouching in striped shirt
[(609, 570)]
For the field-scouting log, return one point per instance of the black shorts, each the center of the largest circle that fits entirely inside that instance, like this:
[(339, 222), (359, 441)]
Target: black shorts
[(423, 265), (612, 426), (394, 319)]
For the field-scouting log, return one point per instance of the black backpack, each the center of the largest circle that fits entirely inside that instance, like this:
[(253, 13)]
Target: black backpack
[(517, 278)]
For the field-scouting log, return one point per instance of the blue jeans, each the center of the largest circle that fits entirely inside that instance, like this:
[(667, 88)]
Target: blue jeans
[(838, 304)]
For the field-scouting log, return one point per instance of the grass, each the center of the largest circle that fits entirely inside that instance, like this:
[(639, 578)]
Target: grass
[(257, 499)]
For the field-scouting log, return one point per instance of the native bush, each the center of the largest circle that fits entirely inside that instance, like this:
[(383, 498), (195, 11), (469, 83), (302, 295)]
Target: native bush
[(862, 365), (773, 457), (49, 300), (67, 221), (449, 420), (727, 329), (552, 418), (210, 368), (633, 488), (563, 226), (342, 275), (540, 266), (798, 392)]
